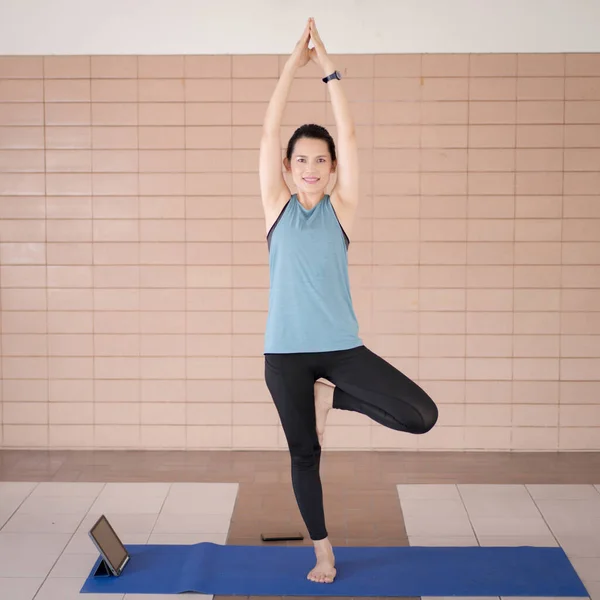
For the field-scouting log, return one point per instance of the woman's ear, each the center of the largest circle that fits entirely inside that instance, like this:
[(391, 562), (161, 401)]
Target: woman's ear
[(286, 164), (333, 166)]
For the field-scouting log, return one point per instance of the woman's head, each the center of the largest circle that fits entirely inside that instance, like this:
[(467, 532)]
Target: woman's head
[(311, 158)]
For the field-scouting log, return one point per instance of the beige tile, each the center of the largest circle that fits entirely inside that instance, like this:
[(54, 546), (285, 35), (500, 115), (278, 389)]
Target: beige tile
[(545, 541), (504, 526), (419, 540), (432, 491), (20, 588), (68, 587), (562, 492), (440, 518)]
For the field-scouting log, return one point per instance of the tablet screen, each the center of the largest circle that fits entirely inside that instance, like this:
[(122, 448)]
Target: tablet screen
[(108, 541)]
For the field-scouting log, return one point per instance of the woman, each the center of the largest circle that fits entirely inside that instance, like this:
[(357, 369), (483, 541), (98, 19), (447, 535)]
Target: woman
[(312, 331)]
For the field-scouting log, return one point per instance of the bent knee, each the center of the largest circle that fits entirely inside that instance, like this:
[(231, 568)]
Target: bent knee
[(305, 461), (429, 415)]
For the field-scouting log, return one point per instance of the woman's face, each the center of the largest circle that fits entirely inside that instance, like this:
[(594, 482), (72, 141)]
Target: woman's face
[(311, 165)]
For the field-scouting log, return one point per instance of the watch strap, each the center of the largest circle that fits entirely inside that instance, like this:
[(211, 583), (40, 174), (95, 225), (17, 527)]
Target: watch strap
[(334, 75)]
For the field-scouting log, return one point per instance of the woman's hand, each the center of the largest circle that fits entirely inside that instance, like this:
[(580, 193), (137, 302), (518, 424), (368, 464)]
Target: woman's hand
[(300, 56), (318, 54)]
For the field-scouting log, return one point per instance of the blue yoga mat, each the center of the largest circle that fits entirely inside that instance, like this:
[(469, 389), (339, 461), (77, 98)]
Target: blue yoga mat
[(376, 571)]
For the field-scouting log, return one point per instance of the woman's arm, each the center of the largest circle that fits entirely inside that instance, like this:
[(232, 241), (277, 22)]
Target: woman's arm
[(272, 183), (346, 187)]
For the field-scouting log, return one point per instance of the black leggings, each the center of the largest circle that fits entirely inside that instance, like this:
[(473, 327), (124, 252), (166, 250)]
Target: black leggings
[(365, 383)]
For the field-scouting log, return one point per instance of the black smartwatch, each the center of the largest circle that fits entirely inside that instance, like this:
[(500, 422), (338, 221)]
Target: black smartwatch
[(334, 75)]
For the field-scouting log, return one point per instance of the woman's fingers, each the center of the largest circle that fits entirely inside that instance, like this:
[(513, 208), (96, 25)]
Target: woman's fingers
[(316, 38), (305, 35), (313, 29)]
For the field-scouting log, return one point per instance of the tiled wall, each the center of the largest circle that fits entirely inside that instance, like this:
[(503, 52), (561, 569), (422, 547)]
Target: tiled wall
[(134, 271)]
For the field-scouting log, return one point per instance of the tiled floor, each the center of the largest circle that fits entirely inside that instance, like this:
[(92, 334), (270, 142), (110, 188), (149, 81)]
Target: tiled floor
[(49, 500), (509, 515), (44, 543)]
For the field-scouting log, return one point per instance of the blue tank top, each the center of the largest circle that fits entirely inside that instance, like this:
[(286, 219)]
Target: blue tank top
[(310, 305)]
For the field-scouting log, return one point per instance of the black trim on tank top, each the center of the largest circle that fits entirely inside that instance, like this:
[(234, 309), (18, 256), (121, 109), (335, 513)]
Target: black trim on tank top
[(270, 233), (347, 239)]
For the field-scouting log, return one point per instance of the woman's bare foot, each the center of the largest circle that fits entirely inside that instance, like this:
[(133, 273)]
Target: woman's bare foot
[(324, 571), (323, 404)]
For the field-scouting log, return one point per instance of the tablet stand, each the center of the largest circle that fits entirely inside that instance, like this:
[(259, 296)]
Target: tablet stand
[(102, 570)]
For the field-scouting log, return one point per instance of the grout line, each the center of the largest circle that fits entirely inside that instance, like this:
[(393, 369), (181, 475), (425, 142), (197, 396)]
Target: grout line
[(514, 253), (139, 257), (62, 552), (159, 511), (371, 290), (462, 499), (466, 287), (93, 266), (561, 270), (542, 516), (232, 258), (419, 229), (186, 259), (46, 267)]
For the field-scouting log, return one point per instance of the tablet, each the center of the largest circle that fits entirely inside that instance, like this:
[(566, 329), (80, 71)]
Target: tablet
[(109, 545)]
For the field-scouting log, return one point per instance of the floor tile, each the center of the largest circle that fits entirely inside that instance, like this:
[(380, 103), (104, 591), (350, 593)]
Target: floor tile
[(12, 496), (593, 590), (68, 588), (545, 541), (420, 540), (562, 492), (33, 542), (16, 488), (74, 565), (42, 523), (503, 526), (473, 491), (192, 523), (572, 517), (135, 490), (18, 588), (587, 568), (67, 489), (127, 504), (5, 515), (583, 546), (509, 508), (200, 498), (27, 565), (76, 505), (430, 491), (436, 518)]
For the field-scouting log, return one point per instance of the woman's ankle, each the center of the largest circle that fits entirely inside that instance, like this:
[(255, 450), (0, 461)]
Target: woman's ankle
[(322, 543)]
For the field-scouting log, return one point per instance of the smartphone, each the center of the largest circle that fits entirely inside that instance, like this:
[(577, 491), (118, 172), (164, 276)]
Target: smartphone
[(280, 537)]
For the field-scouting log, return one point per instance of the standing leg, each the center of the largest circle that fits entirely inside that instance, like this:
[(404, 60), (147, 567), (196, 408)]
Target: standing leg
[(368, 384), (291, 380)]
